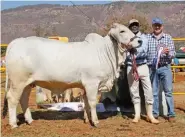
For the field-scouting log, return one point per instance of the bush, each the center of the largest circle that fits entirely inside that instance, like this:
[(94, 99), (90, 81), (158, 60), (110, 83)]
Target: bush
[(3, 51), (144, 24), (45, 31)]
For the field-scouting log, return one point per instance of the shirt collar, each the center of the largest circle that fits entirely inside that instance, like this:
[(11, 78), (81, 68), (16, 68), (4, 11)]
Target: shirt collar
[(138, 34), (161, 35)]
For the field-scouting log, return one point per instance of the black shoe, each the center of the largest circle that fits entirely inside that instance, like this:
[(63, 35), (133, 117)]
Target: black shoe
[(106, 102)]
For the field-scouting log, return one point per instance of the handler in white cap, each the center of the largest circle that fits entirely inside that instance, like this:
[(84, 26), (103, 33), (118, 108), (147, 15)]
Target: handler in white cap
[(137, 68)]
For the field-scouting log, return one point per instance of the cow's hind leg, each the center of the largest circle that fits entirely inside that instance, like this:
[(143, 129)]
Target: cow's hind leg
[(24, 104), (13, 97), (91, 93), (67, 95)]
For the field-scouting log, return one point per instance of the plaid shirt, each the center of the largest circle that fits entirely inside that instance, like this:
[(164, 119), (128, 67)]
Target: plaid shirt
[(153, 42)]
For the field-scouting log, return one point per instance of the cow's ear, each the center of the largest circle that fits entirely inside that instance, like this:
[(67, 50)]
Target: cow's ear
[(113, 33), (109, 33), (114, 25), (113, 36)]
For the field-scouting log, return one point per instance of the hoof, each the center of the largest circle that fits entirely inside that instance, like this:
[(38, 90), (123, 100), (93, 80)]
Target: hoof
[(95, 124), (86, 121), (29, 121)]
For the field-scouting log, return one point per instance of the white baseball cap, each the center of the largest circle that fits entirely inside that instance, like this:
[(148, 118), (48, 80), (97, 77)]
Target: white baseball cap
[(133, 21)]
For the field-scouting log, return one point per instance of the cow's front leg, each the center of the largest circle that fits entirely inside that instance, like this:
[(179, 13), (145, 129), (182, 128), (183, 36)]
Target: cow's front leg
[(13, 97), (94, 117), (91, 93), (24, 104), (87, 115)]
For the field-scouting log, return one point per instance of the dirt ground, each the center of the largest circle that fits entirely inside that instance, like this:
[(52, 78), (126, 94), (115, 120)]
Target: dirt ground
[(60, 124), (179, 84)]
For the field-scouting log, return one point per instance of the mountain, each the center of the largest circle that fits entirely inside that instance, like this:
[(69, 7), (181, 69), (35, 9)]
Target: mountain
[(76, 22)]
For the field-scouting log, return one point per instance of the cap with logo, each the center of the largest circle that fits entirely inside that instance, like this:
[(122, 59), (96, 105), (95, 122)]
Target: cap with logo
[(157, 21)]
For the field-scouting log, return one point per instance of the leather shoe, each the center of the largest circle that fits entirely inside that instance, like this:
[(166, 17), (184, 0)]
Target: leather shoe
[(171, 119)]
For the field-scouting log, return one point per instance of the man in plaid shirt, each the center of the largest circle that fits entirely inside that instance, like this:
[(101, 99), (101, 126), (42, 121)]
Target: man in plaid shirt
[(160, 68)]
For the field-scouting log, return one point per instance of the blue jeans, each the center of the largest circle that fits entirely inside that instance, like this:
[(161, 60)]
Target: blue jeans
[(163, 75)]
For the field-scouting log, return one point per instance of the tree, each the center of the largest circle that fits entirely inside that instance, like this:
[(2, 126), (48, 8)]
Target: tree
[(45, 31), (54, 31), (41, 31), (38, 31), (144, 25)]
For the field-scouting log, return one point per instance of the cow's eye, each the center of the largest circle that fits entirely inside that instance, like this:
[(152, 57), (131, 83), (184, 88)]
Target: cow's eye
[(122, 31)]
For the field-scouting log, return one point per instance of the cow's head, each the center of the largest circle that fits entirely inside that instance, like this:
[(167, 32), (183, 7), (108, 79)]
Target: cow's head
[(124, 37)]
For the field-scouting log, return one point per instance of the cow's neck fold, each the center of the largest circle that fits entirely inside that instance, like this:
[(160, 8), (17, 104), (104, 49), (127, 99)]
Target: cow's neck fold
[(112, 51)]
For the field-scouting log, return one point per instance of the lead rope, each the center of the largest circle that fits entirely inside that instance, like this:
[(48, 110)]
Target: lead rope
[(134, 68), (134, 65)]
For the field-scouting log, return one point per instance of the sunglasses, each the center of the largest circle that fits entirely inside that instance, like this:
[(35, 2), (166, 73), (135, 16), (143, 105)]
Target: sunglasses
[(157, 25)]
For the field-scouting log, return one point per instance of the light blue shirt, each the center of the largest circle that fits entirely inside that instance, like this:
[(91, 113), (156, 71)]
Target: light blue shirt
[(141, 54)]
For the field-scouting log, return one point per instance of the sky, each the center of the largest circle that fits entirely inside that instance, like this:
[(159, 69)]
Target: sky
[(13, 4), (6, 4)]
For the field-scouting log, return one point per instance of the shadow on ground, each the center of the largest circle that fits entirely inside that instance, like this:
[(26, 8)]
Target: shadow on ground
[(57, 115)]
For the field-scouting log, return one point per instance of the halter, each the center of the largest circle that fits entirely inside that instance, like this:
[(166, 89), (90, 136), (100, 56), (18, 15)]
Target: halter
[(134, 65), (132, 39)]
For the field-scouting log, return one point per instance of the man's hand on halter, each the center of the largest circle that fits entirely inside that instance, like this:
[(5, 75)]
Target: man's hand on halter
[(165, 50), (133, 50)]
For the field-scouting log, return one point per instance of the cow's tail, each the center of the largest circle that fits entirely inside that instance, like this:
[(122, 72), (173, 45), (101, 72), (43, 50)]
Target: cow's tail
[(5, 108)]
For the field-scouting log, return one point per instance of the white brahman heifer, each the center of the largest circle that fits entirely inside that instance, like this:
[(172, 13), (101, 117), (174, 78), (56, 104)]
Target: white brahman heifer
[(91, 65)]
